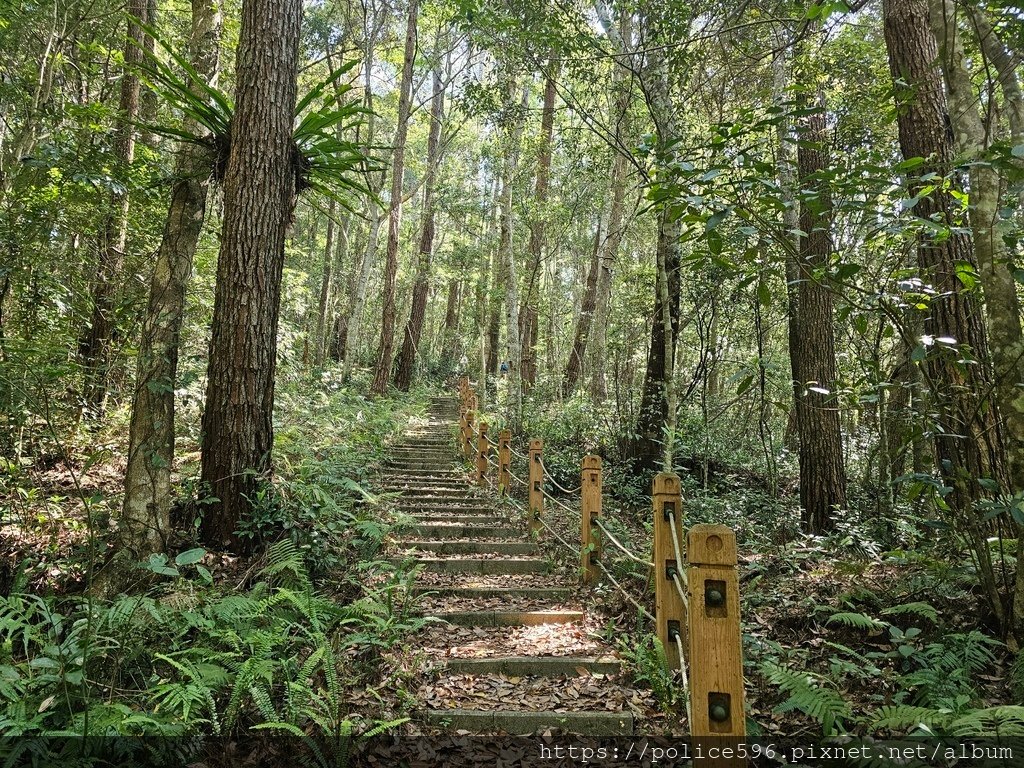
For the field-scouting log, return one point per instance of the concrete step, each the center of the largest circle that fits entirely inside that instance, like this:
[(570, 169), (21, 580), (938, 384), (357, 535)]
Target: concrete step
[(426, 487), (509, 566), (521, 722), (509, 618), (426, 518), (539, 593), (473, 547), (536, 666), (462, 531)]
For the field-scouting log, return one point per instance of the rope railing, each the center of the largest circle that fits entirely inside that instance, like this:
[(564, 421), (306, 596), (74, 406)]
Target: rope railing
[(612, 580), (555, 483), (558, 503), (696, 588), (618, 545)]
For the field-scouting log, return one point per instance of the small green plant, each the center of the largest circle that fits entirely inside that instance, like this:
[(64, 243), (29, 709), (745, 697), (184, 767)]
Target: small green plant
[(649, 666)]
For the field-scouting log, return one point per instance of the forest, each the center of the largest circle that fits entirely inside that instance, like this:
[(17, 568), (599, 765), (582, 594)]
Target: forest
[(440, 382)]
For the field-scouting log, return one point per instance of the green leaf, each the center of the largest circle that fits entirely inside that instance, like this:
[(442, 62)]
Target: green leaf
[(190, 557)]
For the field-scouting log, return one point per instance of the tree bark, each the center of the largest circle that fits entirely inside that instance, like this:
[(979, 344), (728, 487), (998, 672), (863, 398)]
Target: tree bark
[(655, 423), (967, 440), (531, 310), (406, 363), (574, 365), (259, 196), (812, 348), (974, 135), (95, 343), (145, 514), (385, 349)]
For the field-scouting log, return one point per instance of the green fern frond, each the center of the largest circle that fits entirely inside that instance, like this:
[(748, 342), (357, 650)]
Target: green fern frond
[(922, 609), (856, 620), (1004, 721)]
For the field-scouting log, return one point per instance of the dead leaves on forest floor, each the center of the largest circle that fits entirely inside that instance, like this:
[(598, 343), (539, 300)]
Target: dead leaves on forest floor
[(592, 693), (576, 639)]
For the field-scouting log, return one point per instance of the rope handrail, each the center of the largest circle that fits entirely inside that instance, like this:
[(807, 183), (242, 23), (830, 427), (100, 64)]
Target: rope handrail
[(547, 476), (625, 594), (611, 537), (517, 454), (680, 563), (518, 479), (561, 504), (541, 520)]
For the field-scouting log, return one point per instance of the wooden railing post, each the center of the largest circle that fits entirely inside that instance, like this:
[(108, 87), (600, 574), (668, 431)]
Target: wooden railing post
[(590, 534), (504, 462), (715, 644), (468, 449), (669, 610), (536, 504), (483, 450)]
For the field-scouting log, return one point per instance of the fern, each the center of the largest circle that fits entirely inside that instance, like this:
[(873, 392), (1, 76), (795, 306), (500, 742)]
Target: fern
[(922, 609), (992, 721), (809, 694), (901, 717), (856, 620)]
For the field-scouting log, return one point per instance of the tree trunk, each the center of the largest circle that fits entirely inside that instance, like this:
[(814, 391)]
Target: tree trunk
[(326, 276), (656, 418), (95, 343), (574, 365), (987, 227), (614, 229), (259, 196), (450, 335), (967, 441), (531, 312), (406, 363), (145, 515), (812, 349), (385, 349)]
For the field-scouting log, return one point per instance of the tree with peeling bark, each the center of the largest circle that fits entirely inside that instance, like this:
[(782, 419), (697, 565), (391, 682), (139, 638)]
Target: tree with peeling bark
[(145, 516), (385, 348), (405, 366)]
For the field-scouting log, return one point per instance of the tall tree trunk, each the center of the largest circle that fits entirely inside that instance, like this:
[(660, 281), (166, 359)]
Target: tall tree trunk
[(574, 365), (326, 277), (145, 514), (812, 350), (95, 343), (385, 349), (406, 363), (507, 260), (656, 418), (259, 196), (531, 312), (967, 441), (615, 228), (450, 333), (350, 327), (973, 138)]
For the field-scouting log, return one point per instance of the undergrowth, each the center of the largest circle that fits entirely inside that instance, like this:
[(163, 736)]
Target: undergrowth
[(164, 676)]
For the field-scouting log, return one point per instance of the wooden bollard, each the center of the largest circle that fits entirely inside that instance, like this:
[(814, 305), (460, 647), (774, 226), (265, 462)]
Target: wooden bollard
[(536, 501), (670, 612), (483, 450), (590, 534), (504, 462), (715, 644)]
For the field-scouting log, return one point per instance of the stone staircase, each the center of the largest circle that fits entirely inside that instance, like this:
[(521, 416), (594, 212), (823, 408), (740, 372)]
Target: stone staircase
[(516, 652)]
